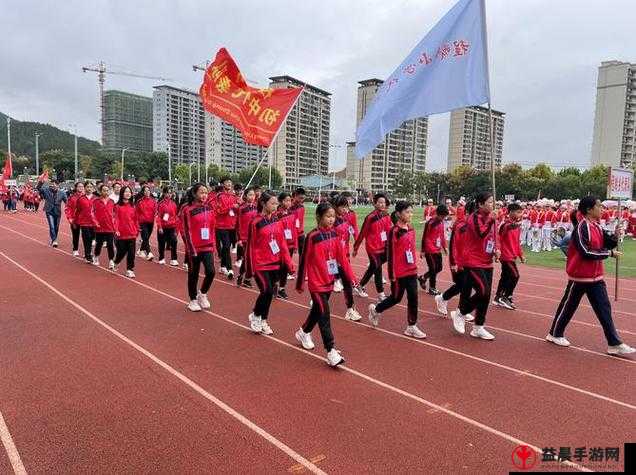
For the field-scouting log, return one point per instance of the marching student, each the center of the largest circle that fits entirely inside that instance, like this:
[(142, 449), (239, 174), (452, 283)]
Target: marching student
[(374, 232), (480, 247), (246, 212), (351, 216), (298, 208), (345, 230), (510, 246), (321, 260), (226, 209), (402, 267), (546, 231), (429, 210), (104, 209), (126, 230), (69, 212), (587, 249), (114, 194), (198, 223), (53, 197), (287, 220), (146, 207), (85, 219), (167, 226), (433, 243), (266, 253)]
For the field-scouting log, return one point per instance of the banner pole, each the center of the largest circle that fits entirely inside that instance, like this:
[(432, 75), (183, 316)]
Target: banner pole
[(619, 247), (490, 118)]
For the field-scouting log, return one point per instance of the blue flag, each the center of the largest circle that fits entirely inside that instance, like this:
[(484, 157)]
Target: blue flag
[(447, 70)]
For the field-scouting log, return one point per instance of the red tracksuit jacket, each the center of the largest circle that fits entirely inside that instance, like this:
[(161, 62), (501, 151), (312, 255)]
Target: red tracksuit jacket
[(589, 245), (69, 209), (146, 209), (225, 210), (509, 240), (353, 221), (246, 213), (104, 215), (84, 212), (299, 211), (322, 247), (456, 244), (126, 223), (288, 221), (261, 255), (343, 226), (167, 214), (433, 238), (195, 219), (480, 241), (375, 230), (401, 252)]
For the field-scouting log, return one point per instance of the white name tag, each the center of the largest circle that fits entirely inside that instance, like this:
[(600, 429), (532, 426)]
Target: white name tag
[(409, 257), (231, 212), (490, 246), (383, 236), (297, 223), (166, 216), (332, 266), (438, 242), (273, 245), (205, 233), (287, 233)]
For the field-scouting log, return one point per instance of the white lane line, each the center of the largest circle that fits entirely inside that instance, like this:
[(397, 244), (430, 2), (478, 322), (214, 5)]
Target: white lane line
[(9, 446), (216, 401)]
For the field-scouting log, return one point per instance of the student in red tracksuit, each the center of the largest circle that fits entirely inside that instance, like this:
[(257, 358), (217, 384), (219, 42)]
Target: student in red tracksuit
[(103, 209), (298, 208), (126, 230), (69, 212), (167, 226), (433, 243), (375, 230), (266, 253), (246, 212), (345, 230), (321, 260), (510, 245), (402, 266), (85, 219), (480, 247), (351, 216), (146, 207), (589, 246), (287, 220), (226, 209), (198, 223)]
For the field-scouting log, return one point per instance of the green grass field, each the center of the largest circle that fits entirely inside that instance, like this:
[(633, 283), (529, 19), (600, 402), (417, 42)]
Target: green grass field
[(555, 259)]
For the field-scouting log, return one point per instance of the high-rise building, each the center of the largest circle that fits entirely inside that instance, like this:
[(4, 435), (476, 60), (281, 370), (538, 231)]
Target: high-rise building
[(178, 124), (302, 146), (469, 138), (127, 121), (224, 146), (614, 130), (403, 149)]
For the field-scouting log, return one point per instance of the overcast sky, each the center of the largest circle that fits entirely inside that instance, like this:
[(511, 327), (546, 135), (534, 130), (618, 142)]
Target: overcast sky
[(544, 56)]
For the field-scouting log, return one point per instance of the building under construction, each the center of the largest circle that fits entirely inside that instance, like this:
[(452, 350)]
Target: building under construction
[(127, 121)]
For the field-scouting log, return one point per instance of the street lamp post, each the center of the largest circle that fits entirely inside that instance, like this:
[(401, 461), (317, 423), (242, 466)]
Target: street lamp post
[(37, 153), (169, 166), (123, 150), (190, 172), (74, 127)]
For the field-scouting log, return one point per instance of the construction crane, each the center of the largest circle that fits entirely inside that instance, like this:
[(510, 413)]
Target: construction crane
[(101, 71)]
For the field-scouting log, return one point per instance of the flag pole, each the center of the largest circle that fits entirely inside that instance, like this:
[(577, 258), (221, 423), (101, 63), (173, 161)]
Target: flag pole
[(617, 257), (491, 121)]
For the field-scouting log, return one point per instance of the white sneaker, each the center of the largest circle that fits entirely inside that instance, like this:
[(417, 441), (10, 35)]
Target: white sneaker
[(111, 265), (130, 274), (149, 256), (337, 286), (238, 263), (469, 318), (54, 243), (174, 262), (383, 280), (415, 332), (352, 315), (223, 271), (360, 292), (560, 340), (142, 254), (458, 322), (621, 349), (194, 306), (265, 328), (381, 297), (203, 301), (233, 250), (162, 262), (291, 276), (441, 305), (334, 358), (95, 261), (230, 274), (185, 266), (305, 339), (479, 331), (256, 323), (75, 253), (374, 316)]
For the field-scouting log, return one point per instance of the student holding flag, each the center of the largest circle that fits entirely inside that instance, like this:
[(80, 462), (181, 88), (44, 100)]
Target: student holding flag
[(53, 198)]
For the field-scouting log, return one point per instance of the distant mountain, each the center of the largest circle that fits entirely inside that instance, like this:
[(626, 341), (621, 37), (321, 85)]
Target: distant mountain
[(51, 138)]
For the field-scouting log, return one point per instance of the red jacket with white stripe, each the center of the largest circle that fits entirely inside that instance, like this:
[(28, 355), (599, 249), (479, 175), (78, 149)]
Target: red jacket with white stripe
[(352, 217), (433, 238), (290, 232), (401, 252), (167, 214), (589, 245), (509, 240), (195, 219), (322, 245), (84, 212), (456, 243), (226, 210), (69, 209), (375, 230), (146, 210), (299, 211), (260, 253), (246, 213), (480, 241), (104, 215), (126, 223)]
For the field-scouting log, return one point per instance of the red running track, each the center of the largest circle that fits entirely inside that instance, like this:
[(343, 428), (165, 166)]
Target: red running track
[(444, 405)]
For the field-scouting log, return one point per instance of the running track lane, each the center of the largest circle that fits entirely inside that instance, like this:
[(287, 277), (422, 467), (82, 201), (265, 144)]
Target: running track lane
[(83, 265), (80, 399)]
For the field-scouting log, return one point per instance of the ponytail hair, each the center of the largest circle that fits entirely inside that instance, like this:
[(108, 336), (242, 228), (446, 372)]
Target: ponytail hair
[(264, 198), (585, 205), (399, 207), (321, 209), (192, 192)]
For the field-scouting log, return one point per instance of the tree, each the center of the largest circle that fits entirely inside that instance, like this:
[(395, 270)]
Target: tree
[(261, 178), (62, 162), (181, 174), (405, 184)]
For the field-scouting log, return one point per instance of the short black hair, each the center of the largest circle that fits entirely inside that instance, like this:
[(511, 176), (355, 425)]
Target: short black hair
[(224, 179), (441, 210), (377, 196), (299, 191), (512, 207), (347, 194)]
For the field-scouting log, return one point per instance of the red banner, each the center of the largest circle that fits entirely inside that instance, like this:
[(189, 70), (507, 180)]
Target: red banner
[(257, 113), (7, 171)]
